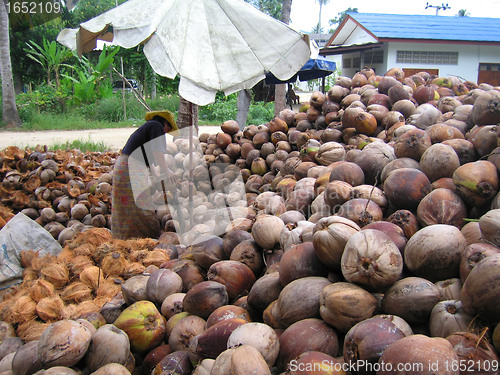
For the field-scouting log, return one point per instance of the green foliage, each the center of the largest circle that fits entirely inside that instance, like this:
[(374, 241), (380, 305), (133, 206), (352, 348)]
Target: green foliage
[(87, 9), (24, 68), (221, 110), (91, 82), (225, 108), (111, 109), (51, 56), (270, 7), (166, 85), (260, 113), (46, 99)]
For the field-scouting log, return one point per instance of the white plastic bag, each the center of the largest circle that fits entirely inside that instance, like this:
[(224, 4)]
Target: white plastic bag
[(22, 233)]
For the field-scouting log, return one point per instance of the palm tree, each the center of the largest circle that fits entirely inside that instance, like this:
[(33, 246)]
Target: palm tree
[(10, 116), (321, 3)]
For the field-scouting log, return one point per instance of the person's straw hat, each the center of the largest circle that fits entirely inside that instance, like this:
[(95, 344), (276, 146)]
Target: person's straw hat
[(167, 115)]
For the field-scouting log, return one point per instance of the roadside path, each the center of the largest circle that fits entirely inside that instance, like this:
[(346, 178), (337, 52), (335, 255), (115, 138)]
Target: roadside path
[(113, 138)]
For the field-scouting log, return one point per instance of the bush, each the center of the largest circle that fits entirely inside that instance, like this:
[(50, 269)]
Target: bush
[(221, 110), (111, 109), (226, 109), (260, 113), (45, 99)]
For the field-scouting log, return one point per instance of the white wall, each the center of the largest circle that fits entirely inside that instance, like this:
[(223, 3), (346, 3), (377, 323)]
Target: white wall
[(469, 57)]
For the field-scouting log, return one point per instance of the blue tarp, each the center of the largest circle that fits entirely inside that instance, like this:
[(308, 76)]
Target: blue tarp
[(313, 69)]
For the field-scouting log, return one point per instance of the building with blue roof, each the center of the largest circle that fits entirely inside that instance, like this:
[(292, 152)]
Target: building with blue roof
[(467, 47)]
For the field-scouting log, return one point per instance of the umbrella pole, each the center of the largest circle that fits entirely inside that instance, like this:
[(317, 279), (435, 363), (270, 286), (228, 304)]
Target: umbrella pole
[(190, 204)]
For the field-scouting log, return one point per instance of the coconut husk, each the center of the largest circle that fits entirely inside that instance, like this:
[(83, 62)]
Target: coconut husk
[(133, 269), (92, 277), (138, 255), (24, 309), (76, 292), (156, 258), (56, 273), (26, 257), (40, 261), (6, 311), (31, 330), (79, 264), (29, 276), (114, 264), (49, 309), (143, 244), (19, 200), (2, 222), (93, 236), (5, 214), (101, 301), (85, 249), (122, 246), (103, 250), (86, 307), (42, 288), (13, 153), (66, 255), (70, 312), (108, 289)]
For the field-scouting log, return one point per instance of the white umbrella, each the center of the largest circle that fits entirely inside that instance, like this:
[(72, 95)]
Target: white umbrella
[(213, 45)]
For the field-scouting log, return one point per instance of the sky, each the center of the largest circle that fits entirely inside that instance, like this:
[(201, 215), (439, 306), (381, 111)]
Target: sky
[(305, 13)]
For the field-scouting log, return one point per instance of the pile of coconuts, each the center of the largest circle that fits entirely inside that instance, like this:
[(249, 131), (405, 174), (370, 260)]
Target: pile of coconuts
[(370, 236), (65, 191)]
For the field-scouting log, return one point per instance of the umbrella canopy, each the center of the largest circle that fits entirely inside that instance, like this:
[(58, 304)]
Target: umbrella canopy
[(313, 69), (213, 45)]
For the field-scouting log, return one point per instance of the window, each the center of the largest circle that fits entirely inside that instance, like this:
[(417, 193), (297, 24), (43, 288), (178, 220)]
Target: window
[(346, 62), (427, 57), (356, 62), (374, 57)]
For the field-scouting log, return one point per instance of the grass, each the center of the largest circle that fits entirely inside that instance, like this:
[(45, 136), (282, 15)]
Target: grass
[(83, 146), (49, 121)]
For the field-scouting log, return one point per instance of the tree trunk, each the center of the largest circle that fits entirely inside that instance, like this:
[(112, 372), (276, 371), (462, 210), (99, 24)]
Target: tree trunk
[(280, 90), (153, 87), (188, 114), (10, 116)]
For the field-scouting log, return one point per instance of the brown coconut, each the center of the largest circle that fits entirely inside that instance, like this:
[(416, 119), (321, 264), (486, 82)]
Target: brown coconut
[(92, 277), (49, 309), (114, 264), (76, 292), (56, 273), (41, 289), (80, 263)]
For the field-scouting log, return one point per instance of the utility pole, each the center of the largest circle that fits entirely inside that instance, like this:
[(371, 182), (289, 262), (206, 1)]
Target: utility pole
[(443, 6)]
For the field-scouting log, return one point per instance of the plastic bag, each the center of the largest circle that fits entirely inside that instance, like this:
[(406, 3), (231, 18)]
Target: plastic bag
[(22, 233)]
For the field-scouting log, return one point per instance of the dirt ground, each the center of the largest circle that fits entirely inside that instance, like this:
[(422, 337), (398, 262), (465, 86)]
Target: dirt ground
[(113, 138)]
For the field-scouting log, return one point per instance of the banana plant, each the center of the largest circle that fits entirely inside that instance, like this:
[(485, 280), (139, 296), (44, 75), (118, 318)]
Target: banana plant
[(91, 82), (51, 56)]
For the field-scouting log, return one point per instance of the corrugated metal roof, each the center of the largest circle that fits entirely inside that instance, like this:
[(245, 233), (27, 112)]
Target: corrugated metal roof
[(399, 26)]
